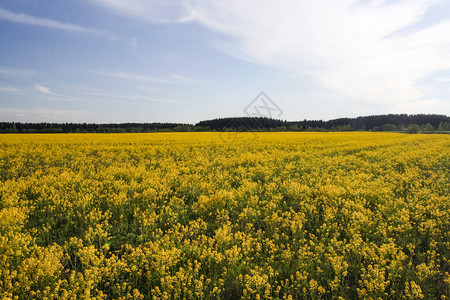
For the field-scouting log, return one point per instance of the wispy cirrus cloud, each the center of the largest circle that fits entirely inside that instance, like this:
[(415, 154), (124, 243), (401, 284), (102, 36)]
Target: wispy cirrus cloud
[(94, 94), (183, 79), (45, 90), (173, 79), (370, 51), (43, 22), (13, 90), (41, 114), (127, 98), (154, 10), (16, 72), (9, 89), (131, 76)]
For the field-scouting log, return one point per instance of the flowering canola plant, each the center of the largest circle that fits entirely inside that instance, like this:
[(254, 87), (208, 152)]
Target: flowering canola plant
[(200, 216)]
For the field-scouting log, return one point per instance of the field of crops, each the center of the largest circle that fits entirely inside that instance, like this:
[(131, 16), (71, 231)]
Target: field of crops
[(219, 216)]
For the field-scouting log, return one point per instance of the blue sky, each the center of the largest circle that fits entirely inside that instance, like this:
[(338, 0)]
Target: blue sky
[(186, 61)]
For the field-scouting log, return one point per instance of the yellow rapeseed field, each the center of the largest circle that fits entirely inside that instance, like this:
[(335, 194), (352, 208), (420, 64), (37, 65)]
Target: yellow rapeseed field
[(225, 216)]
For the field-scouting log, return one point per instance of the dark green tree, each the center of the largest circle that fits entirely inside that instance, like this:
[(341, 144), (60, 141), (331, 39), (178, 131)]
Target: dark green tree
[(413, 128)]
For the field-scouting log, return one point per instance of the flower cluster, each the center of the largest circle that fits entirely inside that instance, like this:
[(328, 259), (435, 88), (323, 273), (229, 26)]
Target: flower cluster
[(188, 215)]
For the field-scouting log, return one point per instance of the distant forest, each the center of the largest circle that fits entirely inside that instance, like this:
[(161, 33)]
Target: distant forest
[(419, 123)]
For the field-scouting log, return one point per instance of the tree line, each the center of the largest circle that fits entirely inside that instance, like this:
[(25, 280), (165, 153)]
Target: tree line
[(391, 122), (418, 123)]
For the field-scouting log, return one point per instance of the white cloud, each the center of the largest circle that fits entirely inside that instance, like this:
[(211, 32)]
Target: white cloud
[(16, 72), (46, 90), (134, 41), (39, 114), (42, 22), (131, 76), (94, 95), (183, 79), (154, 10), (175, 78), (350, 49), (8, 89), (43, 89), (13, 90), (150, 89), (137, 98), (359, 50), (444, 79)]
